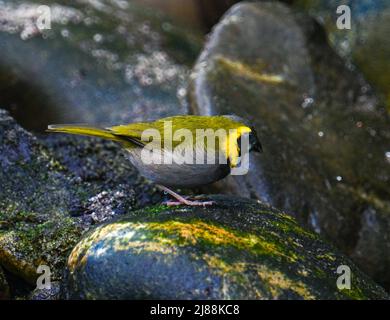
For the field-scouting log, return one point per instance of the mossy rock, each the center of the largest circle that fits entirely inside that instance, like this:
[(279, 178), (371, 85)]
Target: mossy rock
[(4, 288), (325, 138), (45, 206), (235, 249), (109, 63), (35, 199)]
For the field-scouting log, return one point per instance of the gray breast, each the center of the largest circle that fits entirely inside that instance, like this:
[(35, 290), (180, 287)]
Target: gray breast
[(174, 174)]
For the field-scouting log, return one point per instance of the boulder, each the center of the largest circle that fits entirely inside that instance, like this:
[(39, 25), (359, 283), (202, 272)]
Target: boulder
[(366, 44), (326, 138), (45, 206), (235, 249)]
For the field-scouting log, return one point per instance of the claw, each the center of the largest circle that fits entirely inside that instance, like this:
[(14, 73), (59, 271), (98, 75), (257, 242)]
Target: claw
[(182, 200), (189, 203)]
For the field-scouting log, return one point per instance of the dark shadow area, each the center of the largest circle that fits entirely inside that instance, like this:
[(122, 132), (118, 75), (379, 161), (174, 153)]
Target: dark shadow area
[(19, 288), (31, 108)]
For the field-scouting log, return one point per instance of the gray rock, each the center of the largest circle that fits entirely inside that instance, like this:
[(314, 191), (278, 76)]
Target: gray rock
[(326, 140), (106, 62), (366, 44), (236, 249), (35, 227)]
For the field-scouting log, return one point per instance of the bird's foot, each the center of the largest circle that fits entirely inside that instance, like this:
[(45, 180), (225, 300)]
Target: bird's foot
[(189, 203), (183, 200)]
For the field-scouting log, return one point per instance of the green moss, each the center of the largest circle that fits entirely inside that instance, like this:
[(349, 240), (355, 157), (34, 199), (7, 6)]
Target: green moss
[(155, 209), (208, 235), (327, 256), (257, 251), (30, 240), (174, 233), (211, 239), (11, 216), (355, 293)]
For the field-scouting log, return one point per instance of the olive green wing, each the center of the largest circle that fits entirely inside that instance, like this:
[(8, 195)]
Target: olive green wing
[(129, 135), (136, 133)]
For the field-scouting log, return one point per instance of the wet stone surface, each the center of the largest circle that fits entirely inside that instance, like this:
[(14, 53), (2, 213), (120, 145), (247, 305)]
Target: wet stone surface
[(325, 137), (236, 249)]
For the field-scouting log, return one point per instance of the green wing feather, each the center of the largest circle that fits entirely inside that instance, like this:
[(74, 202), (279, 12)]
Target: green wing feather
[(84, 130), (127, 137)]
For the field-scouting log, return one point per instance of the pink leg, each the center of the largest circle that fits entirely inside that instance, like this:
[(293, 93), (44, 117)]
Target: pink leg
[(181, 200)]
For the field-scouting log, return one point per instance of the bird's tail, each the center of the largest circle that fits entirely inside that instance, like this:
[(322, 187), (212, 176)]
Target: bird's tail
[(84, 130)]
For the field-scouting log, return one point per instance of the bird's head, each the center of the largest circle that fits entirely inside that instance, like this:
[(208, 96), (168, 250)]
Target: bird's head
[(254, 141)]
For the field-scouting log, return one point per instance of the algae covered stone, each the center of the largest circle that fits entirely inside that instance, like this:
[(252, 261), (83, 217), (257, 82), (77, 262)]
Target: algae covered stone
[(366, 43), (236, 249), (325, 137), (48, 200), (35, 198)]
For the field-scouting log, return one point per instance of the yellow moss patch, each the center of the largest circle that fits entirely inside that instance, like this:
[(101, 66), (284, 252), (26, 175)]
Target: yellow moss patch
[(165, 237), (292, 226), (277, 282), (326, 256), (222, 266), (244, 70), (10, 260), (195, 231), (118, 242)]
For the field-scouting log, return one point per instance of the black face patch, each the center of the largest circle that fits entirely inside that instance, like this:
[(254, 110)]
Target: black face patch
[(254, 143)]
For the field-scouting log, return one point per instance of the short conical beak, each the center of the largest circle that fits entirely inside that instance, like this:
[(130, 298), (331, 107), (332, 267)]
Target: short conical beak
[(258, 147)]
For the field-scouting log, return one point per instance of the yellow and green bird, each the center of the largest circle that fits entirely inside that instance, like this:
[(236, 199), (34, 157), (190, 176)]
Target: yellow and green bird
[(179, 151)]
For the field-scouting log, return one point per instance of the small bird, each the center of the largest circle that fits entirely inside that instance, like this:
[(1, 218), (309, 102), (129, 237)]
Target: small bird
[(160, 159)]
